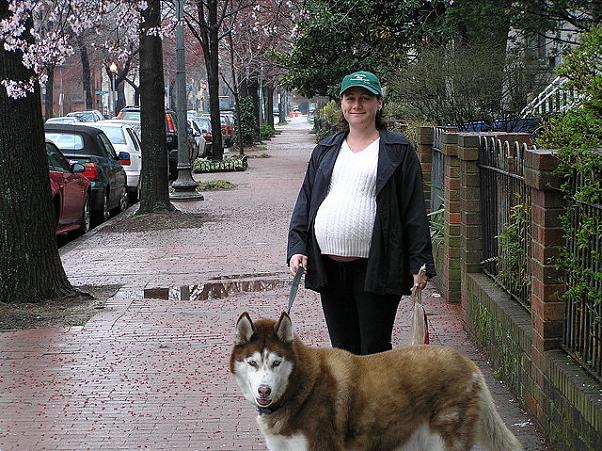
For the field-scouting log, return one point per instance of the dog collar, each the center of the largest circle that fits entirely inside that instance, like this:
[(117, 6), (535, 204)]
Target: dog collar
[(266, 410)]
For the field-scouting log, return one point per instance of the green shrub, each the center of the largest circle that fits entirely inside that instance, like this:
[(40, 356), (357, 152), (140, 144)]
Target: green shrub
[(326, 119), (266, 131), (215, 185), (247, 120), (230, 163), (575, 134)]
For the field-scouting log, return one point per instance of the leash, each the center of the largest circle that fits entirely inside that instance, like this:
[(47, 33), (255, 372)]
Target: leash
[(295, 287), (291, 299)]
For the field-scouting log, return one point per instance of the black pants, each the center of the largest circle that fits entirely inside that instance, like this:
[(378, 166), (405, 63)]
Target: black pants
[(358, 321)]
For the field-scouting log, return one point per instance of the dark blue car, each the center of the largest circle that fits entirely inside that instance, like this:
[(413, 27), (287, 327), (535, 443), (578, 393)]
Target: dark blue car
[(90, 147)]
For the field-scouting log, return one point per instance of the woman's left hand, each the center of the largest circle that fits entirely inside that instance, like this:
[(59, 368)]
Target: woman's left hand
[(420, 281)]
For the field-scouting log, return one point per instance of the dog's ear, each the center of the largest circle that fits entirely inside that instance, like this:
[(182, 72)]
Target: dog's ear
[(284, 328), (244, 329)]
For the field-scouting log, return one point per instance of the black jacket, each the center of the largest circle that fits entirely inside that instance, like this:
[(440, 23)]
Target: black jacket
[(401, 241)]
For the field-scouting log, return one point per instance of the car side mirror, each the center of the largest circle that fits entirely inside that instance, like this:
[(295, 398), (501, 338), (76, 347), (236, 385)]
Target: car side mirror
[(77, 168)]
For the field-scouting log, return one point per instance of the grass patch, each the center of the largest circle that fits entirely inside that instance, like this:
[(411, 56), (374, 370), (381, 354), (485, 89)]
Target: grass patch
[(215, 185)]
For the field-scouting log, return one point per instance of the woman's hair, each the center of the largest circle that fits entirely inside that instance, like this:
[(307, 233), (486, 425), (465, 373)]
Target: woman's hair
[(380, 121)]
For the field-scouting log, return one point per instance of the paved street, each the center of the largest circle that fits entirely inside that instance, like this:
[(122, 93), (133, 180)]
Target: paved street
[(150, 371)]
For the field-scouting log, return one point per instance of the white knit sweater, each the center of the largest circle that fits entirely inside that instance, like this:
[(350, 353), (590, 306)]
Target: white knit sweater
[(344, 221)]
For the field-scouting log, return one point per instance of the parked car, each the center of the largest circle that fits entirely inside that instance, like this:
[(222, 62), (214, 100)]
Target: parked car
[(132, 113), (200, 143), (87, 115), (90, 147), (64, 120), (125, 139), (129, 113), (227, 128), (135, 125), (204, 125), (70, 193)]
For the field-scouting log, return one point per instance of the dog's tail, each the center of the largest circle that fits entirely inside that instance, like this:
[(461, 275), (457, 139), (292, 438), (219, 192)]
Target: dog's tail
[(492, 432)]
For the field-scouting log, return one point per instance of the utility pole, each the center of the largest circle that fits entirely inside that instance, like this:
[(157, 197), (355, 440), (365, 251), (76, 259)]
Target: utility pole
[(184, 186)]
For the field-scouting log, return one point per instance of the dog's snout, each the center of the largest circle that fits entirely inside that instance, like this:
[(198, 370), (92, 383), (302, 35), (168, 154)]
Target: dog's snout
[(264, 391)]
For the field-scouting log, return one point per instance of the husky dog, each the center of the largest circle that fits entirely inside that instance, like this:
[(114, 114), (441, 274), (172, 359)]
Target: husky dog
[(419, 398)]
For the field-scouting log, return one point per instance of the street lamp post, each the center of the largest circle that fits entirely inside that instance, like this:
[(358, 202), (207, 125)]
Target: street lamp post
[(113, 70), (184, 186)]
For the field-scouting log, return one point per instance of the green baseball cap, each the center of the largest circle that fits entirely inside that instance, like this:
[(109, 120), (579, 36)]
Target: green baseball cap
[(362, 79)]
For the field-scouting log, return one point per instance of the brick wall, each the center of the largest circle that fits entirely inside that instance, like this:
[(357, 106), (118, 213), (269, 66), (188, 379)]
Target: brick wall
[(524, 346)]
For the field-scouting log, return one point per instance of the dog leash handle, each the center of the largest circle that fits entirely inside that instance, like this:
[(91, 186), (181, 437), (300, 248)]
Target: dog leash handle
[(295, 287)]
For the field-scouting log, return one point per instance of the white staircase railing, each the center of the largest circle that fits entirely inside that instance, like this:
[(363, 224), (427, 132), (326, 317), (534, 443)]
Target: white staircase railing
[(556, 98)]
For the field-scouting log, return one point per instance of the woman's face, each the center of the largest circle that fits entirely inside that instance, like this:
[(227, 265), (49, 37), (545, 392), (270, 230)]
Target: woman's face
[(359, 107)]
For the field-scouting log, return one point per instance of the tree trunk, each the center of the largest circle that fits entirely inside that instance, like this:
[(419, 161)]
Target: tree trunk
[(254, 91), (49, 99), (30, 266), (120, 103), (269, 105), (213, 81), (136, 89), (244, 88), (282, 107), (155, 194), (83, 53), (208, 38), (235, 92)]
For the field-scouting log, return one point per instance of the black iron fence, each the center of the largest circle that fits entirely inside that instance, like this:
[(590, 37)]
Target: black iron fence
[(505, 217), (437, 170), (583, 324)]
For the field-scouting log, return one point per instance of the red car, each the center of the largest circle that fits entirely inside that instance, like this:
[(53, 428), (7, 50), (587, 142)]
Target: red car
[(70, 193)]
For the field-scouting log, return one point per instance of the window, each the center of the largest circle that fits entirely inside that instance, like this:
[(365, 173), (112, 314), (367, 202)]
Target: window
[(135, 139), (131, 116), (106, 144), (115, 134), (56, 161), (66, 141)]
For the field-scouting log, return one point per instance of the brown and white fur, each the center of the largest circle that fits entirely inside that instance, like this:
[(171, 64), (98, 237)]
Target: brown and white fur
[(422, 398)]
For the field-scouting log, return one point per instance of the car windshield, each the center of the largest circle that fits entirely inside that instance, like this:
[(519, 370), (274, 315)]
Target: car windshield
[(66, 141), (203, 124), (115, 134), (63, 120), (131, 116), (83, 116)]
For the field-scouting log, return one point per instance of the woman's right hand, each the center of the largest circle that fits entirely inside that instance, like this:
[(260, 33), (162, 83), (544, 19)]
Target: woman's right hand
[(296, 260)]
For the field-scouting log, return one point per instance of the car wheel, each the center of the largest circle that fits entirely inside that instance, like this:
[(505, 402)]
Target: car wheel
[(86, 220), (123, 202), (102, 213)]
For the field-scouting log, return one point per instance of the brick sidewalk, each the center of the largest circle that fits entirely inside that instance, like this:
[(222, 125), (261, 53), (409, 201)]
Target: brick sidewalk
[(149, 373)]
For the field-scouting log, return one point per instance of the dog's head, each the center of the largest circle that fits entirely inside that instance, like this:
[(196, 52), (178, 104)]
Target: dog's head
[(263, 358)]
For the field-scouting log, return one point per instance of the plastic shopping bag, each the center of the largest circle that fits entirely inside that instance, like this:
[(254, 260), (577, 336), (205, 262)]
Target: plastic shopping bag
[(419, 331)]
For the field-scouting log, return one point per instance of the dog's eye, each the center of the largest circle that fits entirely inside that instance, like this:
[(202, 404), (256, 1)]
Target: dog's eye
[(275, 363), (253, 363)]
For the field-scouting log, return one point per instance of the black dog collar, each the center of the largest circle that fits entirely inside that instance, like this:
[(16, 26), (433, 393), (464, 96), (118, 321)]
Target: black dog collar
[(266, 410)]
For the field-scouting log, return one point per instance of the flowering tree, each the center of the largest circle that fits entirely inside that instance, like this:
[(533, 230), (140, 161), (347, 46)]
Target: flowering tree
[(208, 21), (30, 267), (254, 35)]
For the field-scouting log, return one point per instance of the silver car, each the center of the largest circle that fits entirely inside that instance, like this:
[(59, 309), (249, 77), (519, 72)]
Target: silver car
[(125, 138)]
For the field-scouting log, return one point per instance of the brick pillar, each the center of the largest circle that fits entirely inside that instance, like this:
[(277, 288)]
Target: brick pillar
[(471, 243), (450, 277), (425, 156), (547, 309)]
